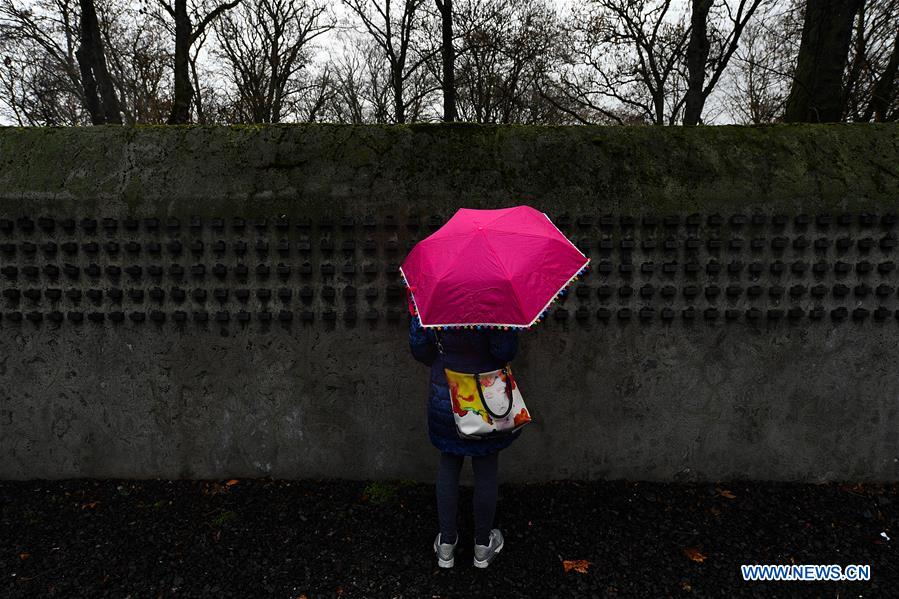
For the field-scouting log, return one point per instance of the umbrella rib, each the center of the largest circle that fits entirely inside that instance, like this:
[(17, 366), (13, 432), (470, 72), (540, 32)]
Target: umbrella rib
[(553, 297), (509, 278), (499, 216), (541, 236), (470, 240)]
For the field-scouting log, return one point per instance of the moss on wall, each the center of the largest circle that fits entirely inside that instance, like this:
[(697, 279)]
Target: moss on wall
[(312, 168)]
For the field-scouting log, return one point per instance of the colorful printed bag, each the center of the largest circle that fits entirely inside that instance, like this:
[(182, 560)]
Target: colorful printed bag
[(485, 404)]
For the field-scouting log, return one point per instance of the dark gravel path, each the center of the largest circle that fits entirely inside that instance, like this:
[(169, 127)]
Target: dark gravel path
[(269, 538)]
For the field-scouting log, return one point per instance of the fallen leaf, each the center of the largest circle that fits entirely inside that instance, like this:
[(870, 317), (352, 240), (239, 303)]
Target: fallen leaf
[(726, 493), (24, 556), (233, 481), (91, 504), (214, 489), (857, 489), (694, 554), (579, 565)]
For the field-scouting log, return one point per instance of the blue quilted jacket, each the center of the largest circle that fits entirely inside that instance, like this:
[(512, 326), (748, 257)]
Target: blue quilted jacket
[(466, 351)]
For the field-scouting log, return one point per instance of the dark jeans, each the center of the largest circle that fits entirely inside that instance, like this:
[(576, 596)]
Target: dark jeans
[(484, 500)]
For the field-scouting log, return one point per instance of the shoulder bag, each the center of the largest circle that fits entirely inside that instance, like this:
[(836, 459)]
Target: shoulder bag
[(485, 404)]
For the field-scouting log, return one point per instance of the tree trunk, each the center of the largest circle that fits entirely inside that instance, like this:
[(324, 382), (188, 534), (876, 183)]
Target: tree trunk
[(198, 97), (817, 91), (99, 94), (449, 59), (697, 55), (183, 89), (883, 91), (860, 57), (399, 104), (91, 100), (658, 103)]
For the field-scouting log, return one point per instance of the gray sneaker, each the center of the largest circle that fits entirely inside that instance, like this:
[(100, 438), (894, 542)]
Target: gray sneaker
[(484, 554), (446, 553)]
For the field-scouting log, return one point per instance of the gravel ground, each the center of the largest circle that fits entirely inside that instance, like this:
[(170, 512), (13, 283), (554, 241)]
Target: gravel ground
[(330, 538)]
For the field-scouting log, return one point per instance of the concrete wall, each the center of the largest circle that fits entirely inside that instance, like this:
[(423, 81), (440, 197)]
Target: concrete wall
[(803, 388)]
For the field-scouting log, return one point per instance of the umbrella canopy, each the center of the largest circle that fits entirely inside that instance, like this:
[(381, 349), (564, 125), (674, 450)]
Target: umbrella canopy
[(497, 268)]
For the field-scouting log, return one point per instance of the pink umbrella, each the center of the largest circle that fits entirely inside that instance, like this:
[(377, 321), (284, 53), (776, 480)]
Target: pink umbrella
[(490, 269)]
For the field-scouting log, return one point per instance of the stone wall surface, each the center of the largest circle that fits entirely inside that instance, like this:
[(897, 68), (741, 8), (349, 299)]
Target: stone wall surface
[(206, 302)]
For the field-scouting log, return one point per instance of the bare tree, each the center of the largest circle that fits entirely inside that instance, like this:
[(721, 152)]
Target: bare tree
[(397, 28), (700, 57), (347, 103), (873, 60), (201, 92), (359, 88), (99, 93), (754, 95), (761, 72), (313, 105), (32, 94), (505, 56), (264, 45), (76, 62), (40, 75), (624, 61), (138, 61), (884, 105), (189, 25)]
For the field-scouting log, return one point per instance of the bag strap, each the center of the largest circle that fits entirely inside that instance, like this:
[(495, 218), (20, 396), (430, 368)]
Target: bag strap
[(439, 345), (477, 380)]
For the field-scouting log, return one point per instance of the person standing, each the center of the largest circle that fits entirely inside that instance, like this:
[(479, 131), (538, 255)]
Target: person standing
[(464, 350)]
